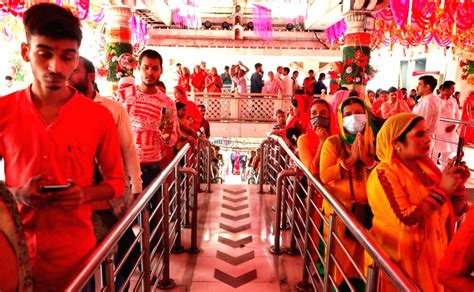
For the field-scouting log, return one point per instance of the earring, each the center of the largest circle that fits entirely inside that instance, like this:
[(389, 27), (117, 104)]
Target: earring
[(398, 149)]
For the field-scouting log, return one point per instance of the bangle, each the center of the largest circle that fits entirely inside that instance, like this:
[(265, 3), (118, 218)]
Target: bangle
[(372, 165), (343, 165), (437, 198)]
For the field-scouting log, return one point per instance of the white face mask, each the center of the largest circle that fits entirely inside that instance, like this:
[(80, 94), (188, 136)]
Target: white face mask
[(354, 124)]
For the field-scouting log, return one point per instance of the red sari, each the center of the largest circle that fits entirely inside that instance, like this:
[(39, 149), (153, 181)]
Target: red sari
[(468, 112)]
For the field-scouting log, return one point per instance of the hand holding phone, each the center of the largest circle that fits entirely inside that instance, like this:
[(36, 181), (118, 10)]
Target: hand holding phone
[(53, 188)]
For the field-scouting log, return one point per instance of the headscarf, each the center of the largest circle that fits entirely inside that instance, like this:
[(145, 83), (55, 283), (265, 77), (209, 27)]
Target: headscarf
[(370, 130), (302, 120), (337, 99), (312, 137), (390, 131)]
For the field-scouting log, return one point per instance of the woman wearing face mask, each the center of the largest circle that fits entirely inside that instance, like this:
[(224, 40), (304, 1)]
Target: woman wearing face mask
[(322, 125), (346, 162), (412, 201)]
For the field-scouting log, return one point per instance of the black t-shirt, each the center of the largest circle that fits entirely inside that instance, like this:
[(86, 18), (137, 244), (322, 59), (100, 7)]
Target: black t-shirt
[(243, 160)]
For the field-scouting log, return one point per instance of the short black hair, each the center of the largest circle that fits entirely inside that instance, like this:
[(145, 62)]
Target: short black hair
[(430, 80), (178, 64), (299, 91), (88, 65), (152, 54), (403, 136), (293, 134), (321, 76), (180, 105), (8, 77), (280, 111), (286, 69), (310, 71), (52, 21), (392, 89), (447, 84), (258, 65), (226, 68), (202, 106)]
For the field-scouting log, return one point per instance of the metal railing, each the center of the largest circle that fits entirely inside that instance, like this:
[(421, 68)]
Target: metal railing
[(313, 235), (250, 107), (204, 161), (162, 210)]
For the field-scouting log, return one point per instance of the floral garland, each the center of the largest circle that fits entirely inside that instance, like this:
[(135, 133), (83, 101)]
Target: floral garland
[(355, 65), (119, 61), (467, 68)]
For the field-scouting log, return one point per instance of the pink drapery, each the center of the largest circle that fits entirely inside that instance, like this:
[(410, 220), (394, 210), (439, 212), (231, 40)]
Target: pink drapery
[(336, 32), (262, 21)]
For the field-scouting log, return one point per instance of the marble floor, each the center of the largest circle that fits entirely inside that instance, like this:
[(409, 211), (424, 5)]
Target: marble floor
[(235, 235)]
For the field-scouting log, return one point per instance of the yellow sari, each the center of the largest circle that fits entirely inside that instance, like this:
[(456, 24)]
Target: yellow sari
[(416, 242), (335, 150)]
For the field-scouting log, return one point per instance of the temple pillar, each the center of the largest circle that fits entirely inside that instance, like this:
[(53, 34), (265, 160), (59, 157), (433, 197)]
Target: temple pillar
[(356, 52), (118, 37)]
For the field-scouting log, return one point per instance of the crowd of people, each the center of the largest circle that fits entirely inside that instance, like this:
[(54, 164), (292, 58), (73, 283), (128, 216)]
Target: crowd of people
[(74, 160), (379, 155)]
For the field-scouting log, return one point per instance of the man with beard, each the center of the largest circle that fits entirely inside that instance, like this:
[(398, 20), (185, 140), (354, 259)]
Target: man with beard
[(83, 79), (153, 116), (50, 137)]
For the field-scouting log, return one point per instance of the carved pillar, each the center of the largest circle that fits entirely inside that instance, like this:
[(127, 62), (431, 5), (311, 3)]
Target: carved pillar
[(356, 51), (118, 47)]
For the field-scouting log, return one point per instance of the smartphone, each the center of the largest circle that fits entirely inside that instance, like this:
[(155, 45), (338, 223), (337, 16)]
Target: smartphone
[(166, 114), (53, 188), (459, 151)]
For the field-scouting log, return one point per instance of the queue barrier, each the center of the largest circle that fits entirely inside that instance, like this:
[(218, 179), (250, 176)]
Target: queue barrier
[(166, 207), (297, 194)]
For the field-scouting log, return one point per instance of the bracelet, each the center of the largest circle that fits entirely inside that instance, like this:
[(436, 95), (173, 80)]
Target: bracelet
[(438, 197), (374, 164), (343, 165)]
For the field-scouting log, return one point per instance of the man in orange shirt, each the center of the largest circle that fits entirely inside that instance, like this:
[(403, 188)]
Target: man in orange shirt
[(50, 137)]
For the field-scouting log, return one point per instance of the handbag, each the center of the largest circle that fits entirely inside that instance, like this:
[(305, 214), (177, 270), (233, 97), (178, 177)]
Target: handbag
[(362, 212)]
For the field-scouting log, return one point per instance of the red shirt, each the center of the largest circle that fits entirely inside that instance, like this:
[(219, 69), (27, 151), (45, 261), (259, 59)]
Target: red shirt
[(197, 80), (145, 112), (83, 131)]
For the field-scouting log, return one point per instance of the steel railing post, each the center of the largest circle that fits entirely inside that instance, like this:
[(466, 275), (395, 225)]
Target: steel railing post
[(261, 175), (178, 247), (304, 284), (328, 266), (109, 272), (292, 250), (372, 278), (208, 167), (145, 218), (276, 249), (166, 282)]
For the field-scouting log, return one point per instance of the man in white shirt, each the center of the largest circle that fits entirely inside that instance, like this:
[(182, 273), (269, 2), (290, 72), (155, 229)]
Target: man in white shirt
[(83, 79), (238, 77), (428, 105), (287, 83), (446, 131)]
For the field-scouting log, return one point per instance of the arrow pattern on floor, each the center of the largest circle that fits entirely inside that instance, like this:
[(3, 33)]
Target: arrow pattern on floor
[(235, 260)]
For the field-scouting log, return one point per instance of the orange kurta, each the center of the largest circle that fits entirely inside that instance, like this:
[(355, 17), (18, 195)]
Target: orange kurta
[(412, 240), (337, 182)]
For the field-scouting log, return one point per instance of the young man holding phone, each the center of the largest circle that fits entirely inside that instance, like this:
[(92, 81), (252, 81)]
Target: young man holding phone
[(50, 147), (144, 103)]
